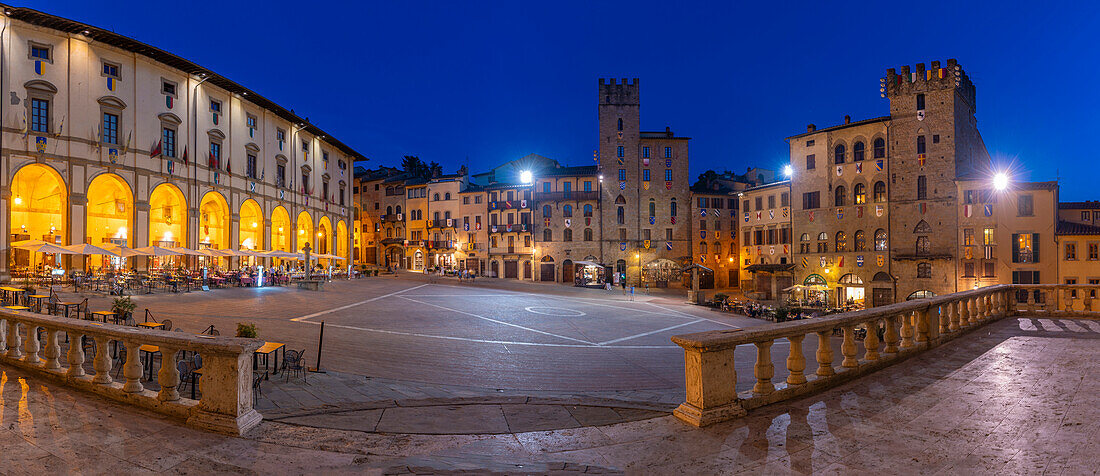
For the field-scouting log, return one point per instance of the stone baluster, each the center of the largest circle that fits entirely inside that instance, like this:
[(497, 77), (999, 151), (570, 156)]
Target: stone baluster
[(75, 355), (870, 343), (824, 354), (15, 341), (907, 330), (972, 306), (953, 316), (944, 313), (796, 361), (921, 316), (102, 360), (848, 348), (764, 370), (4, 334), (53, 350), (1010, 302), (891, 336), (964, 312), (169, 375), (31, 346), (132, 369)]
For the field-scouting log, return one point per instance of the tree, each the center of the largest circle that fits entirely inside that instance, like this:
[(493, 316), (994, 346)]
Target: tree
[(434, 170), (462, 170)]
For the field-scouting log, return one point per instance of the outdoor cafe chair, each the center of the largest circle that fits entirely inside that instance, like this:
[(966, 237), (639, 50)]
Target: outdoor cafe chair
[(167, 325), (293, 362)]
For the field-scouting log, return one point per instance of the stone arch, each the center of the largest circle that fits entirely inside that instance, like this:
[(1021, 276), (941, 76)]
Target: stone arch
[(109, 211), (167, 215)]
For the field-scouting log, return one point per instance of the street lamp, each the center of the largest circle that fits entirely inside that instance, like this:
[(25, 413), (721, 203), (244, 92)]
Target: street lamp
[(1000, 181), (638, 257), (525, 177), (788, 171)]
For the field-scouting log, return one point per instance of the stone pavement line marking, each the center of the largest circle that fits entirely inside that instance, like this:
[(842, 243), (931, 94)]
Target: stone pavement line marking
[(341, 308), (546, 311), (501, 342), (669, 328), (500, 322), (694, 317)]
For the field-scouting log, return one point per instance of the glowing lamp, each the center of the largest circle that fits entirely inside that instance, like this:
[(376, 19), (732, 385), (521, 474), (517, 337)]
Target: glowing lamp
[(788, 171), (525, 176), (18, 200), (1000, 181)]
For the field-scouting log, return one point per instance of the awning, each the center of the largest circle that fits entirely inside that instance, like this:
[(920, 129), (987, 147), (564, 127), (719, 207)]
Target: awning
[(662, 263), (696, 266), (590, 263), (770, 267)]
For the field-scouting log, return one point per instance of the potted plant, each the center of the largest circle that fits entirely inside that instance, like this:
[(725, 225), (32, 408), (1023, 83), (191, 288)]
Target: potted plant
[(123, 307), (246, 330), (28, 285)]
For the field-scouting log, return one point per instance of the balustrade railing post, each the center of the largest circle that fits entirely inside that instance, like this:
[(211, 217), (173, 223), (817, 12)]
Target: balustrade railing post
[(30, 345), (710, 380), (53, 350), (824, 354), (870, 343), (907, 330), (226, 384), (944, 320), (15, 341), (922, 325), (102, 360), (796, 361), (953, 316), (891, 336), (4, 335), (972, 306), (964, 312), (168, 376), (132, 369), (75, 356), (764, 369), (848, 348)]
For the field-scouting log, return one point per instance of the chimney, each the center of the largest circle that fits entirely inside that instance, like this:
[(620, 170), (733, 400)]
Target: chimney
[(847, 119), (810, 128)]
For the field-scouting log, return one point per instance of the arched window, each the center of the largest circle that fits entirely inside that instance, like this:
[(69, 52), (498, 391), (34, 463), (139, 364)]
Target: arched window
[(587, 234), (841, 196), (588, 210), (880, 191), (620, 216), (447, 215), (435, 216), (435, 197), (838, 154), (546, 211), (841, 241), (703, 247), (620, 200), (923, 246), (823, 236), (620, 123), (398, 209), (861, 241), (805, 237), (547, 235), (924, 293), (389, 210), (567, 211), (567, 235), (857, 151), (652, 208), (389, 191), (880, 240), (717, 249), (859, 194), (924, 270), (447, 196), (922, 227), (880, 148), (672, 208)]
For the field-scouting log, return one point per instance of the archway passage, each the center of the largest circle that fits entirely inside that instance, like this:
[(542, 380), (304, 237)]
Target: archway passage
[(167, 219), (324, 240), (251, 232), (280, 229), (546, 269), (109, 216), (304, 232), (39, 201), (342, 240), (567, 274), (214, 222)]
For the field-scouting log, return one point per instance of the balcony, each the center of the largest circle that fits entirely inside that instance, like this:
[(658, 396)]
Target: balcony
[(510, 250), (510, 205), (447, 223), (392, 218), (393, 241), (441, 245), (570, 195), (515, 228)]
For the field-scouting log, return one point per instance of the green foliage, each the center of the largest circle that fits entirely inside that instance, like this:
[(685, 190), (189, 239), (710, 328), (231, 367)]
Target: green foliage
[(781, 314), (246, 330), (123, 306)]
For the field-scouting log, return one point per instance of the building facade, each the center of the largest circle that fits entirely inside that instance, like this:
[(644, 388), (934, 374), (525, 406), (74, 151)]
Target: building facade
[(107, 140), (766, 231)]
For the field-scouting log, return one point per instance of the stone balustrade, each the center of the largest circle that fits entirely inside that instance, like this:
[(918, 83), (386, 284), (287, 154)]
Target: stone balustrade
[(1057, 300), (887, 334), (33, 342)]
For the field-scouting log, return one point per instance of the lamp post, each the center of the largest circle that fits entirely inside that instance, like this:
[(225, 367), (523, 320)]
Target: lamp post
[(638, 257)]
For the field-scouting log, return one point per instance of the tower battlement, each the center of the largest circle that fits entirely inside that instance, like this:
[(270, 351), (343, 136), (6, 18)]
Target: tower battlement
[(918, 79), (613, 92)]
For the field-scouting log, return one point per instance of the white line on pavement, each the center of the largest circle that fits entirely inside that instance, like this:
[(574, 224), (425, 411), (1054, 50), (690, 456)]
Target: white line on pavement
[(341, 308), (499, 321), (669, 328), (694, 317)]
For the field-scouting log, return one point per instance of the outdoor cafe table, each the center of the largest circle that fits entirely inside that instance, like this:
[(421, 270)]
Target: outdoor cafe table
[(151, 325), (267, 349), (14, 293), (149, 351), (37, 301), (104, 315), (245, 281)]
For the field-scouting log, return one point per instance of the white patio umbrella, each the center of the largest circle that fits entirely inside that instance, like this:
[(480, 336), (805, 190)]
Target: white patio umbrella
[(89, 250), (158, 251), (185, 251), (38, 246), (124, 251)]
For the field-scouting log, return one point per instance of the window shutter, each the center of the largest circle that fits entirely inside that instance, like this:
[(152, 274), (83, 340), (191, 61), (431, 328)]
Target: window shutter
[(1035, 247), (1015, 247)]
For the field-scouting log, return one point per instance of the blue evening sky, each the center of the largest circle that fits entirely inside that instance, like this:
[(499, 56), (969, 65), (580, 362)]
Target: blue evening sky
[(492, 82)]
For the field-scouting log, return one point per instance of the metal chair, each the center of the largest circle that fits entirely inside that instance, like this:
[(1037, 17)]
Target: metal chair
[(292, 362), (167, 325)]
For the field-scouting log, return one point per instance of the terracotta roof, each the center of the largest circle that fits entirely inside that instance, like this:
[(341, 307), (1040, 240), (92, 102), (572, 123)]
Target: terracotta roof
[(1071, 228), (1086, 205)]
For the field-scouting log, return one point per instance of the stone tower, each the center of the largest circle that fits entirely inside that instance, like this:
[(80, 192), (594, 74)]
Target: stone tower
[(933, 140), (619, 117)]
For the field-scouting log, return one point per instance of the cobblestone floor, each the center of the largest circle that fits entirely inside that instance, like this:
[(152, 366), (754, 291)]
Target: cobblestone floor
[(1018, 396)]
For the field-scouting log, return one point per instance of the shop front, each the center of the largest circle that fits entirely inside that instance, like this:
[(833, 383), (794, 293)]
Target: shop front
[(589, 274)]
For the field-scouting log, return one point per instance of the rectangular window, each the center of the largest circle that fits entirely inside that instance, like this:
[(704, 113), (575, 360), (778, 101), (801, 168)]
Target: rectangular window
[(305, 181), (280, 175), (1085, 216), (988, 237), (702, 202), (920, 102), (747, 240), (168, 87), (968, 237), (280, 137), (810, 162), (935, 138), (920, 145), (810, 143), (645, 152), (668, 175), (1096, 216), (668, 152), (716, 203), (111, 69), (771, 201), (784, 199), (546, 187), (216, 152), (968, 269), (40, 115), (110, 128), (250, 166), (41, 52), (759, 203), (1025, 248), (645, 175), (215, 106), (1094, 251), (1024, 206), (988, 269), (168, 142), (250, 122), (745, 206), (477, 199), (620, 151), (1071, 251), (567, 186), (587, 186), (668, 234), (922, 187), (622, 175), (811, 200)]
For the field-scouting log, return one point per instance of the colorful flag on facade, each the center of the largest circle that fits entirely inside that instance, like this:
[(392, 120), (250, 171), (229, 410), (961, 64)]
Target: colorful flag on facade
[(156, 150)]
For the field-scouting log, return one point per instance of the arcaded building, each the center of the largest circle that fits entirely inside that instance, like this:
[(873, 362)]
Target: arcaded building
[(109, 140)]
